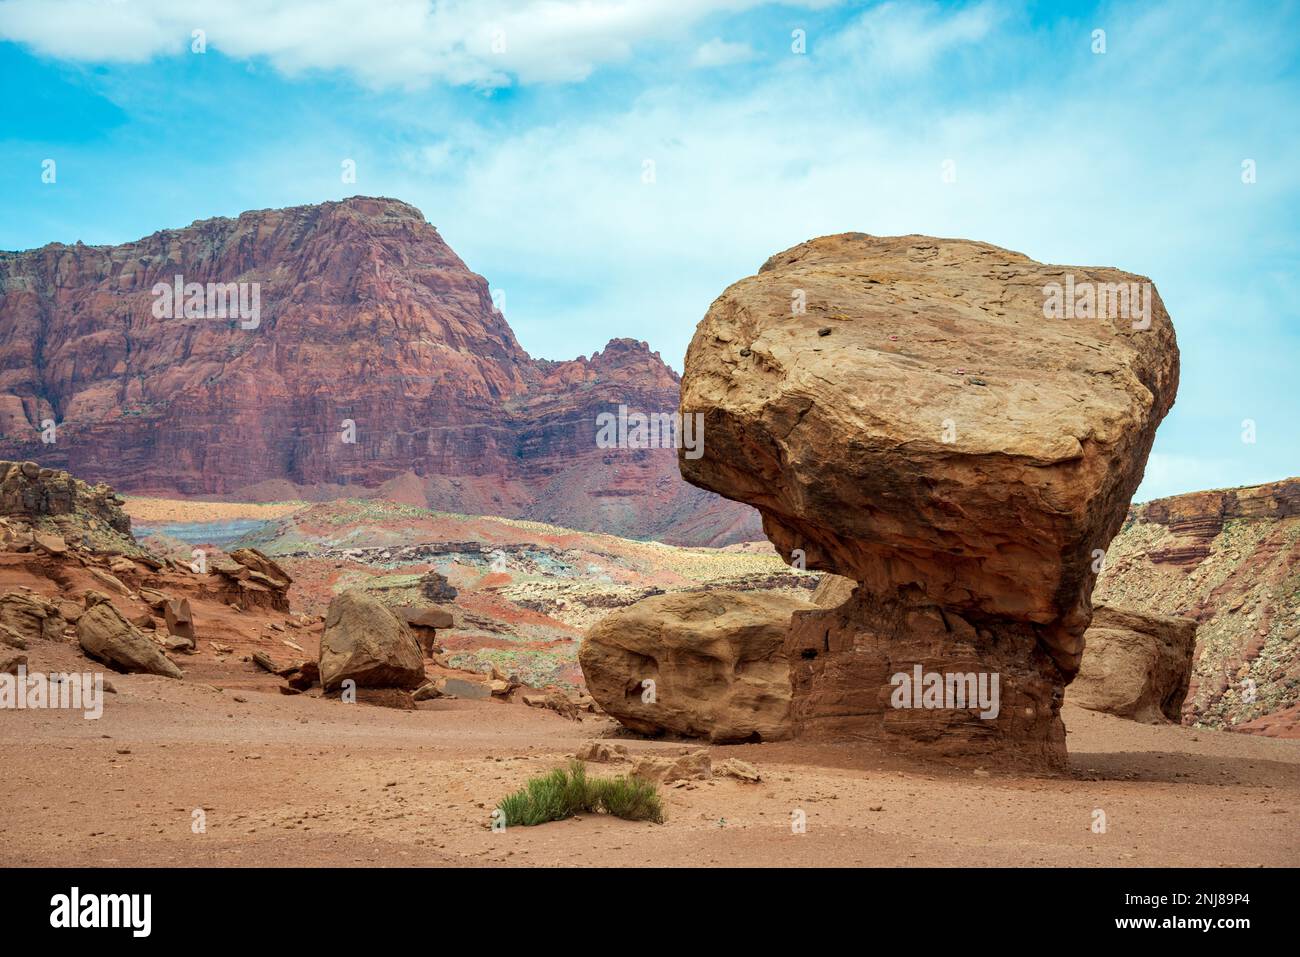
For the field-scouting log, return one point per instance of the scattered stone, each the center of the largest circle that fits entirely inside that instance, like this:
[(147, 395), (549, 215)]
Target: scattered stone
[(693, 766), (308, 674), (263, 661), (553, 701), (108, 581), (426, 692), (741, 770), (602, 752), (178, 644)]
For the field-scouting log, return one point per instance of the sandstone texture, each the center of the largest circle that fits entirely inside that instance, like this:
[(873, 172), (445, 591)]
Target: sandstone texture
[(367, 643), (1135, 665), (26, 617), (250, 579), (106, 636), (716, 660), (54, 508), (366, 316), (902, 413)]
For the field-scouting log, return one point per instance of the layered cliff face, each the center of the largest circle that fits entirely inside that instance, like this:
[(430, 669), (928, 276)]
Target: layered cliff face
[(1230, 559), (367, 359)]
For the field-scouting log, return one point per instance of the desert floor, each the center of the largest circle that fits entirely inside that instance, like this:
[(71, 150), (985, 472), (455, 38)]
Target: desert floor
[(307, 781)]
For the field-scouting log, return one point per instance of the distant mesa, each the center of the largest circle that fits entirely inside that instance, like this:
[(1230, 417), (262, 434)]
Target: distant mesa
[(368, 323)]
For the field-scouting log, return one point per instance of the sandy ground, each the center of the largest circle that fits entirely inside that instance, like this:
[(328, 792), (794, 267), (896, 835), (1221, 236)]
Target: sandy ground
[(307, 781), (159, 510)]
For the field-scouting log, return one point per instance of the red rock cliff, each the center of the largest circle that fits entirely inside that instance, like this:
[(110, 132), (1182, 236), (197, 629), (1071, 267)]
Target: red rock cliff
[(365, 315)]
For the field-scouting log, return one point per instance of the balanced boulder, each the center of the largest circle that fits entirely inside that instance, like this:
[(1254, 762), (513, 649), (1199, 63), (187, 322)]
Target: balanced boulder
[(928, 418), (367, 643), (1135, 665), (708, 664)]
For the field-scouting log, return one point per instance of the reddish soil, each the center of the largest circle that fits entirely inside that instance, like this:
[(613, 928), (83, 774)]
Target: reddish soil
[(308, 781)]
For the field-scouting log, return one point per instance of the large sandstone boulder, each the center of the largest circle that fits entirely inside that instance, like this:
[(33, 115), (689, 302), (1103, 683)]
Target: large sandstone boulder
[(108, 637), (902, 412), (716, 660), (1135, 665), (366, 642)]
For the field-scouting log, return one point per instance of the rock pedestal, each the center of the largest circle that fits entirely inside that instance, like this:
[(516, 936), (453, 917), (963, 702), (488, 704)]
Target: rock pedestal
[(928, 418), (997, 688)]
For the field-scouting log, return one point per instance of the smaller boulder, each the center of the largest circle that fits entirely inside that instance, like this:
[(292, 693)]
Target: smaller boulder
[(108, 637), (367, 643), (31, 616), (435, 587), (180, 622), (463, 688), (49, 542), (693, 766), (1135, 665), (602, 752), (738, 769)]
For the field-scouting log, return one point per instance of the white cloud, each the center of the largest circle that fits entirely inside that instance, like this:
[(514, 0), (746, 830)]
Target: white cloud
[(407, 43), (719, 52), (907, 38)]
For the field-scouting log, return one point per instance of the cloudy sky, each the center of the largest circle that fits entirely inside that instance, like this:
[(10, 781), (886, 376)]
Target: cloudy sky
[(524, 131)]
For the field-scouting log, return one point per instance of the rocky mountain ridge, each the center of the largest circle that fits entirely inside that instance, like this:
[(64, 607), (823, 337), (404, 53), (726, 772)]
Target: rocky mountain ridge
[(377, 364)]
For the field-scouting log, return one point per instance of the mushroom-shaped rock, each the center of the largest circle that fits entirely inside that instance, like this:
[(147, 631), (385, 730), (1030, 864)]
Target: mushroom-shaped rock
[(702, 664), (954, 426), (366, 642), (108, 637)]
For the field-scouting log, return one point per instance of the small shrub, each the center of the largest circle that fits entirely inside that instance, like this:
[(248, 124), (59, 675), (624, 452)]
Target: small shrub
[(630, 798), (563, 793)]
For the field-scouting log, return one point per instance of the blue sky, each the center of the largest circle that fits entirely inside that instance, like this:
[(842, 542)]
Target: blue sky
[(522, 130)]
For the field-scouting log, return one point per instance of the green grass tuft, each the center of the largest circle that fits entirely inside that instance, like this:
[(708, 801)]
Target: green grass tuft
[(563, 793), (630, 798)]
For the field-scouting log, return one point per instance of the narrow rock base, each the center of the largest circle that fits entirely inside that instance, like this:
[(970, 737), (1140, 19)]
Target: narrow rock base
[(843, 667)]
